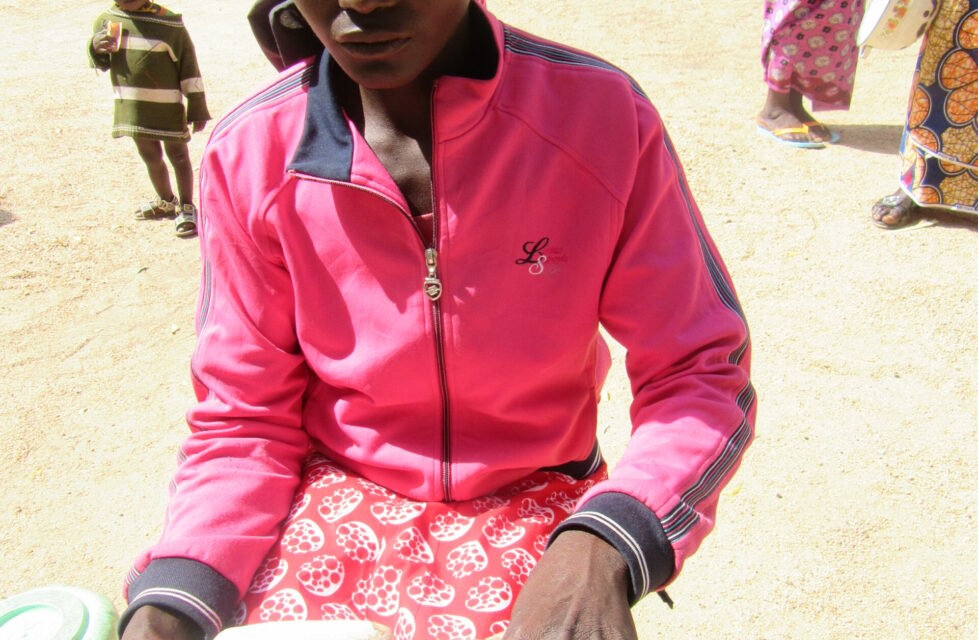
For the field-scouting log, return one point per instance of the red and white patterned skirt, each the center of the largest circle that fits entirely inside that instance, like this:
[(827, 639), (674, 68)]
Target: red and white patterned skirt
[(352, 549)]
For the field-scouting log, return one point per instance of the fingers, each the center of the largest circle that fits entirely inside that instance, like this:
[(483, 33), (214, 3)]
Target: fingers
[(101, 42)]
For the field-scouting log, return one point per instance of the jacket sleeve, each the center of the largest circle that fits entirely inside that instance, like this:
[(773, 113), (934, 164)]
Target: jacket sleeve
[(669, 301), (242, 462), (191, 82)]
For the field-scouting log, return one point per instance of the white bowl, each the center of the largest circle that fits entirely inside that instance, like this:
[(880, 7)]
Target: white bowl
[(895, 24), (57, 612), (308, 630)]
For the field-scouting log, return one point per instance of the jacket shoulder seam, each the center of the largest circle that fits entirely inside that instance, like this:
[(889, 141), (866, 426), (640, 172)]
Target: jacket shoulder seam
[(524, 44), (284, 87), (580, 162)]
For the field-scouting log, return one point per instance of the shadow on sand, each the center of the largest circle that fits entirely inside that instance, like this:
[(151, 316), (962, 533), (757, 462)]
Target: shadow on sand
[(875, 138), (926, 218), (6, 217), (950, 220)]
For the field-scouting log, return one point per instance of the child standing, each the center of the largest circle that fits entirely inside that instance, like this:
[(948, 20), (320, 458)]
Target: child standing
[(152, 64)]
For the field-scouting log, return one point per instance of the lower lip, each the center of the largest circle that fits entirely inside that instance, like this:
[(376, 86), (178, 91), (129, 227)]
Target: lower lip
[(375, 49)]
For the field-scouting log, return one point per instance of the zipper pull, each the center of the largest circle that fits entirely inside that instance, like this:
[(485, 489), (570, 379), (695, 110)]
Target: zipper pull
[(432, 285)]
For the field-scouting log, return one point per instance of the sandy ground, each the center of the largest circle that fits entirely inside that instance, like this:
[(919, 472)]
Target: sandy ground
[(853, 513)]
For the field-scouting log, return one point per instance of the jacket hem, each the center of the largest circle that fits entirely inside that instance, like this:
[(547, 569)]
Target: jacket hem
[(197, 108), (96, 60), (580, 469)]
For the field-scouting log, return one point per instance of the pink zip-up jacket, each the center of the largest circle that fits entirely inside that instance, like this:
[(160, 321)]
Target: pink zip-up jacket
[(445, 367)]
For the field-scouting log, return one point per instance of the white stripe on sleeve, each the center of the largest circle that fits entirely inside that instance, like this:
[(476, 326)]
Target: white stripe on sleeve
[(192, 85)]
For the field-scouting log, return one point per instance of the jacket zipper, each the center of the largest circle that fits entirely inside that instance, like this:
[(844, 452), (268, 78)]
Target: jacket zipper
[(433, 291), (432, 288), (431, 261)]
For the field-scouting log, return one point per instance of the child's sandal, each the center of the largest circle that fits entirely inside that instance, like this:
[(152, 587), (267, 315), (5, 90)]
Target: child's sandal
[(186, 222), (157, 208)]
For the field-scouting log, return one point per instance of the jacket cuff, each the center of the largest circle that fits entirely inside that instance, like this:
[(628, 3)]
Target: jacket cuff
[(634, 530), (100, 61), (197, 108), (187, 587)]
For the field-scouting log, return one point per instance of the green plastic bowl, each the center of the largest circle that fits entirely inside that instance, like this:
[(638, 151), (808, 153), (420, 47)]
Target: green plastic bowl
[(57, 613)]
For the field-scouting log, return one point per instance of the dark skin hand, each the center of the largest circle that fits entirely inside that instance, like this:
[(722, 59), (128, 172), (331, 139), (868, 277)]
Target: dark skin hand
[(102, 42), (153, 623), (578, 591)]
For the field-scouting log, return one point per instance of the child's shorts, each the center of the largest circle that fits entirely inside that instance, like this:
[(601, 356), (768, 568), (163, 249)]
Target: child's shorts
[(352, 549)]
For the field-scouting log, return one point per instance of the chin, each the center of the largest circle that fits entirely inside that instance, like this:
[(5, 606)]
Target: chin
[(379, 74), (382, 81), (382, 84)]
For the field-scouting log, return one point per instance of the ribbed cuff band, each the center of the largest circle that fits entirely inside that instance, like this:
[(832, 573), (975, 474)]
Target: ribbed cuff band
[(187, 587), (634, 530)]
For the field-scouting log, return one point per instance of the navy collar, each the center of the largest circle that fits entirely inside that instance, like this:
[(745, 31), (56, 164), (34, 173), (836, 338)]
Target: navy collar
[(326, 147)]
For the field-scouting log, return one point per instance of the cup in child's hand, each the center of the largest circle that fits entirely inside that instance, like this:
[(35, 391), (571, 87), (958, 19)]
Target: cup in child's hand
[(114, 30)]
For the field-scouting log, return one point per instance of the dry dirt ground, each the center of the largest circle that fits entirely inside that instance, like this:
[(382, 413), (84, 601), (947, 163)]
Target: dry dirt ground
[(852, 515)]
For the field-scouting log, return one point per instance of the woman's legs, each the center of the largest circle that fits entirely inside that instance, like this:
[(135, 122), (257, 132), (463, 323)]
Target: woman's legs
[(151, 152)]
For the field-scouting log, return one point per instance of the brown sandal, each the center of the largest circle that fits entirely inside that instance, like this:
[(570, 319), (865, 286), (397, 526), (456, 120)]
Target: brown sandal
[(158, 208), (186, 222), (894, 211)]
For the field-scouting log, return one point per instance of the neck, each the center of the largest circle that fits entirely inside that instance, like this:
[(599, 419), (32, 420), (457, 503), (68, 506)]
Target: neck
[(401, 110), (142, 7)]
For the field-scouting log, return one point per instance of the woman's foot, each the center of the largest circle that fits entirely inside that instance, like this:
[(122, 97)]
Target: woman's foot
[(784, 119), (894, 211), (795, 136), (785, 127), (821, 132), (816, 128)]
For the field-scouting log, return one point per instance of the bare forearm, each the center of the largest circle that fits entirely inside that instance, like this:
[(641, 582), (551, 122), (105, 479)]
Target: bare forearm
[(579, 590), (153, 623)]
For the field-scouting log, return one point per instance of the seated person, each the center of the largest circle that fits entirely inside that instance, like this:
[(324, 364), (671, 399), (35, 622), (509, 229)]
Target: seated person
[(409, 242)]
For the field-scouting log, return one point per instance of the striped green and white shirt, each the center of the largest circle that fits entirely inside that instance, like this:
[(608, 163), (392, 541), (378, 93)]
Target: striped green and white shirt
[(153, 70)]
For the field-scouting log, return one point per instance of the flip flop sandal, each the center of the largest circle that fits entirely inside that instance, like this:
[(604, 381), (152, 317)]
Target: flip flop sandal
[(898, 203), (186, 221), (158, 208), (833, 135), (784, 134)]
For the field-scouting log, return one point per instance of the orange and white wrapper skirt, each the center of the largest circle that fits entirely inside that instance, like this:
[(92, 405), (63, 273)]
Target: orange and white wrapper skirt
[(351, 549)]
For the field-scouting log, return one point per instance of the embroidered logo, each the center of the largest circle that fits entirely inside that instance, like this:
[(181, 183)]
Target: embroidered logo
[(535, 256)]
